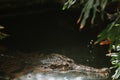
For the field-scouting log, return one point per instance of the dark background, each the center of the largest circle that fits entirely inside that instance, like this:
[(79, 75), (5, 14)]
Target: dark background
[(42, 25)]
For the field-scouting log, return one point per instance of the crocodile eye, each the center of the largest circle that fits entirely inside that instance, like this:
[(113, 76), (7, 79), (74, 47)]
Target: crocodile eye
[(29, 76), (70, 61)]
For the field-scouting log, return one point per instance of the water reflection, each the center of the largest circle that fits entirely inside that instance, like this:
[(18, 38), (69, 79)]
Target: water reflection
[(61, 76)]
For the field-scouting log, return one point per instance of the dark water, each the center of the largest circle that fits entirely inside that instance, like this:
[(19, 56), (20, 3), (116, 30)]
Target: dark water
[(55, 31)]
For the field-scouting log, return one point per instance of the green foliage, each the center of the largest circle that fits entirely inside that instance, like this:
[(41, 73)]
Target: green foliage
[(89, 5), (111, 32), (2, 35), (68, 4), (115, 60)]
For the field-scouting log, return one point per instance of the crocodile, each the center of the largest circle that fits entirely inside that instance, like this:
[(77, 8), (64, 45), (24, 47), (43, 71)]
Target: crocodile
[(29, 66)]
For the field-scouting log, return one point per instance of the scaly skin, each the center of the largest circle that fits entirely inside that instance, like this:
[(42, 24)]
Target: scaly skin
[(17, 64)]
